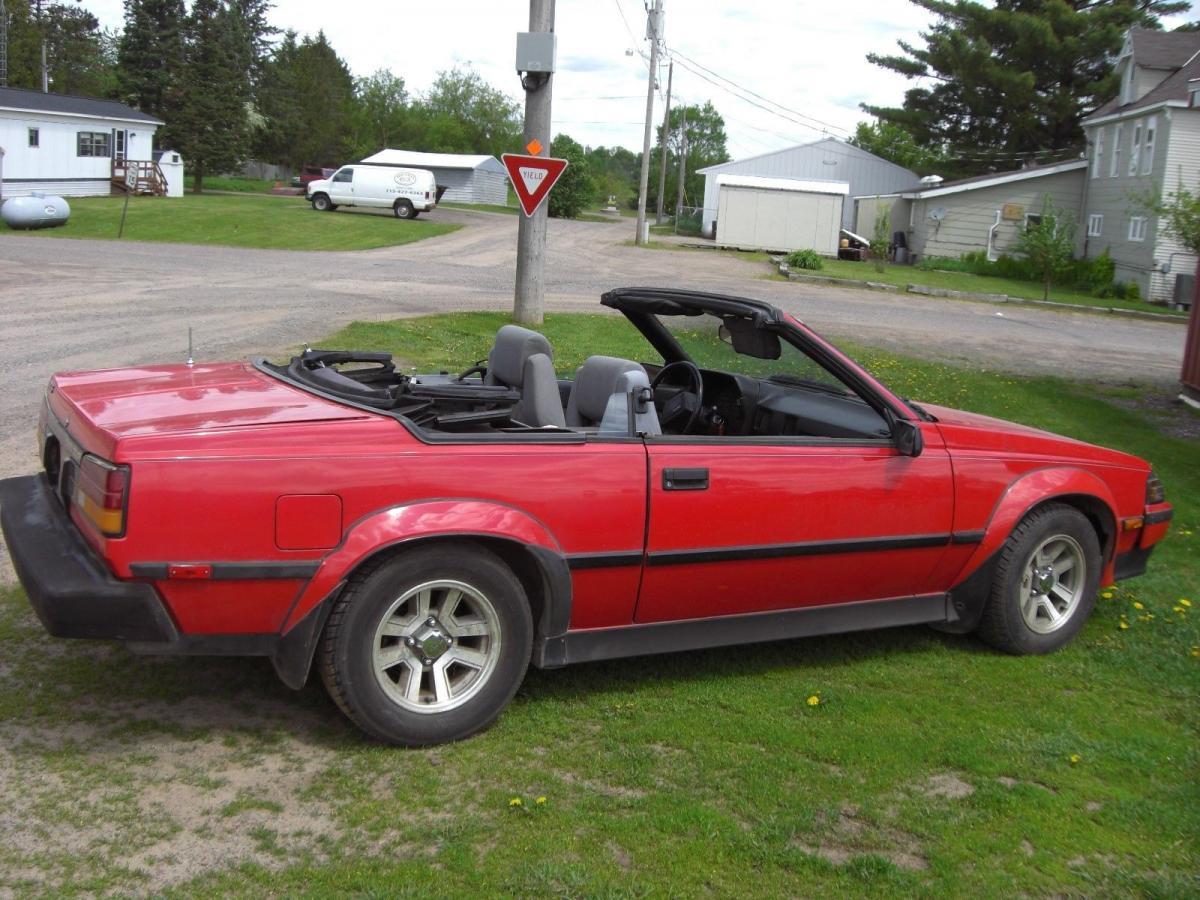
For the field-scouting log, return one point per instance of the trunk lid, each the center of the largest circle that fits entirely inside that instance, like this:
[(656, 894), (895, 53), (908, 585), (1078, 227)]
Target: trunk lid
[(102, 407)]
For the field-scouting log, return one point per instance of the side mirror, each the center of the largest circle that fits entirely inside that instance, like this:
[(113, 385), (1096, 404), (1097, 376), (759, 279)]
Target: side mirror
[(908, 437)]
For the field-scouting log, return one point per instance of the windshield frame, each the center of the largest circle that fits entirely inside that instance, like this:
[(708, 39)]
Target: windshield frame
[(644, 306)]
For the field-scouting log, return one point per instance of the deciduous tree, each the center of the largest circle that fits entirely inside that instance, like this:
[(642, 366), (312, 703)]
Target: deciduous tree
[(575, 188), (1048, 242)]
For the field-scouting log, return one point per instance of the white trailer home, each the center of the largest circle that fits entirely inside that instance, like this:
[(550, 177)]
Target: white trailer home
[(74, 146)]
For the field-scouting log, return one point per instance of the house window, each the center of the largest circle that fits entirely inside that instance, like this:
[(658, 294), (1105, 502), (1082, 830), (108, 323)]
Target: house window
[(1148, 146), (1114, 168), (1095, 225), (1135, 147), (92, 143), (1033, 219), (1098, 152), (1137, 228), (34, 137)]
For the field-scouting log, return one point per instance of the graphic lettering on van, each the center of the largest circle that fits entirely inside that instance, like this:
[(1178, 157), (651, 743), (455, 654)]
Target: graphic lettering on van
[(404, 179)]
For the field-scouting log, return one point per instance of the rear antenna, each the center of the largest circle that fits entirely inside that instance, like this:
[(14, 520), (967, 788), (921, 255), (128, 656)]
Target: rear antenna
[(190, 361)]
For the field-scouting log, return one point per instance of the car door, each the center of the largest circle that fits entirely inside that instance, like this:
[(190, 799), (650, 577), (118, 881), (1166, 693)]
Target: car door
[(742, 526), (341, 186)]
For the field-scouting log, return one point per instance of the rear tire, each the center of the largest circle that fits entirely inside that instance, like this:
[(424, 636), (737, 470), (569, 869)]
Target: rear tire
[(429, 646), (404, 209), (322, 203), (1045, 584)]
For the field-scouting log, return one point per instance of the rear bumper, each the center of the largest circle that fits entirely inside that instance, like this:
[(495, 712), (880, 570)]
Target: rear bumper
[(69, 587)]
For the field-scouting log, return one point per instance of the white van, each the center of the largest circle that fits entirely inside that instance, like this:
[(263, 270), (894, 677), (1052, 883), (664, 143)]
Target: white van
[(406, 192)]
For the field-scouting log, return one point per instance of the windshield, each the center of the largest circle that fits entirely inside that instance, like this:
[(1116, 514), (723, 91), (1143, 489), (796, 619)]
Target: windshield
[(701, 338)]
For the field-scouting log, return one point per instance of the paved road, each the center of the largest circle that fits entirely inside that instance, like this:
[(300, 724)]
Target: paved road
[(68, 304)]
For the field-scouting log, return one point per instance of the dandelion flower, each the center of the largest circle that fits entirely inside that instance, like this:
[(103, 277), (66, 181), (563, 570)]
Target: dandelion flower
[(1123, 626), (515, 801), (1196, 652), (814, 700), (1178, 609), (1107, 595), (1184, 601), (1075, 759), (1137, 604), (540, 801)]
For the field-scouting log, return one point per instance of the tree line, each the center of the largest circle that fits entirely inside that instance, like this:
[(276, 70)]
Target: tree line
[(230, 88)]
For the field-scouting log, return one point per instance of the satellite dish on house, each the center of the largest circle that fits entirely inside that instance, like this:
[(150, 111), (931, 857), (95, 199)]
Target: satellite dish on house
[(937, 213)]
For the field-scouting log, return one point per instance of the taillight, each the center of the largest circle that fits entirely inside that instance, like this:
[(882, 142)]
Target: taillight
[(1155, 492), (101, 491)]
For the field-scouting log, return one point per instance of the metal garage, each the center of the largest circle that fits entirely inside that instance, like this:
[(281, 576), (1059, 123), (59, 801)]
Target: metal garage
[(756, 213)]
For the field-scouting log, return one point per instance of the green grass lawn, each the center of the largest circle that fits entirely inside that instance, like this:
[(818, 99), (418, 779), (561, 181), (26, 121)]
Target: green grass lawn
[(484, 207), (930, 766), (965, 281), (281, 223)]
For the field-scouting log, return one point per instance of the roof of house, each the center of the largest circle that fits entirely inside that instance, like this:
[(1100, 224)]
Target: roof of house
[(784, 184), (986, 181), (1174, 51), (1163, 49), (838, 146), (389, 157), (70, 105)]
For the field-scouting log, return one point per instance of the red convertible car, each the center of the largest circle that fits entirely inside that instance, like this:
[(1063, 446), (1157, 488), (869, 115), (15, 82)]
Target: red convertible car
[(421, 540)]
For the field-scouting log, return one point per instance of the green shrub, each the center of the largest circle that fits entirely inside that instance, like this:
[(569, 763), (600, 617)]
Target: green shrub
[(804, 259), (1132, 291)]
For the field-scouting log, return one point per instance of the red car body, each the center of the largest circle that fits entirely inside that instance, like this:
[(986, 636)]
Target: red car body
[(251, 501)]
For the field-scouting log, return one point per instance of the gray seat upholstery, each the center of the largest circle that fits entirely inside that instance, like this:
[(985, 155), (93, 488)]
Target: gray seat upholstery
[(522, 359), (602, 393)]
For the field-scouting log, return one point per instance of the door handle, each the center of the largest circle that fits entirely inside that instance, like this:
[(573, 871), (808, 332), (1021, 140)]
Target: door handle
[(685, 479)]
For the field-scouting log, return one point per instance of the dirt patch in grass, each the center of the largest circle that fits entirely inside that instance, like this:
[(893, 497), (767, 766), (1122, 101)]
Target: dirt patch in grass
[(850, 837), (947, 784)]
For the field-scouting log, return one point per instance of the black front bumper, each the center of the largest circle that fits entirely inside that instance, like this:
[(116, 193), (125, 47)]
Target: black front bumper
[(69, 587)]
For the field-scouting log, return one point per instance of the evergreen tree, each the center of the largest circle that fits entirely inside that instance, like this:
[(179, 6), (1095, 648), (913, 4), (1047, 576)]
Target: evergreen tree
[(1012, 78), (150, 61), (211, 125), (78, 53), (305, 99), (891, 142)]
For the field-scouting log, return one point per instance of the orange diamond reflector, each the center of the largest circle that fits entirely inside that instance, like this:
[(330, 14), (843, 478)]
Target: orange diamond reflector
[(534, 147)]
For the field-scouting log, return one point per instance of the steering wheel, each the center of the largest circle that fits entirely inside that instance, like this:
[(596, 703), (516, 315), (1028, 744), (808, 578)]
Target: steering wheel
[(685, 405)]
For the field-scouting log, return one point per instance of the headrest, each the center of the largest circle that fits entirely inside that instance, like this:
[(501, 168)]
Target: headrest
[(596, 380), (514, 345)]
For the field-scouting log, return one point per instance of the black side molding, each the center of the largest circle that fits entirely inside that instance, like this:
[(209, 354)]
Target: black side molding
[(592, 644), (266, 570)]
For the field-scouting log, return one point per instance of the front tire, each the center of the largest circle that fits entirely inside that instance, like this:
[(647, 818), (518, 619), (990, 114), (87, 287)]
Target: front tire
[(1045, 584), (404, 209), (322, 203), (429, 646)]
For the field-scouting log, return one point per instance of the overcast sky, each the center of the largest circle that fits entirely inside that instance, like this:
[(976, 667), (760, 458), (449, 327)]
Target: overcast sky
[(808, 55)]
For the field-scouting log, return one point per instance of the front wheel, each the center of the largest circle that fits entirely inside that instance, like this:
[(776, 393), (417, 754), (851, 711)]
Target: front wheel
[(1045, 583), (404, 209), (322, 203), (429, 646)]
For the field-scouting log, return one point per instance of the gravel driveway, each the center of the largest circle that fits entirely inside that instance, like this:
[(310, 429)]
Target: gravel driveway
[(86, 304)]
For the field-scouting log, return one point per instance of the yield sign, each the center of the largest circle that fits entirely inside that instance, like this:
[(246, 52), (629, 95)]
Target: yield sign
[(532, 177)]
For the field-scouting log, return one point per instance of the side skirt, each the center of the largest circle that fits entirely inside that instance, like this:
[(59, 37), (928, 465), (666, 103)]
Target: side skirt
[(592, 644)]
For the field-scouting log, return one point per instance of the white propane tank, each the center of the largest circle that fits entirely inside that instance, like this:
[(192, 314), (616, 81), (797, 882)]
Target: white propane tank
[(35, 211)]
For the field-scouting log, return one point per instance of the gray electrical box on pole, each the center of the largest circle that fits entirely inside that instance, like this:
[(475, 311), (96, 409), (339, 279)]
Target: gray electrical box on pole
[(535, 64)]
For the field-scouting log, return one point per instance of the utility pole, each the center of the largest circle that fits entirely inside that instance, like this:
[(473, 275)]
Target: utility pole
[(654, 32), (45, 68), (662, 175), (529, 300), (682, 159), (3, 46)]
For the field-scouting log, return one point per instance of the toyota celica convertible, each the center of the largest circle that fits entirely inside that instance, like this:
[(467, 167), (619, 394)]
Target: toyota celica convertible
[(419, 540)]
